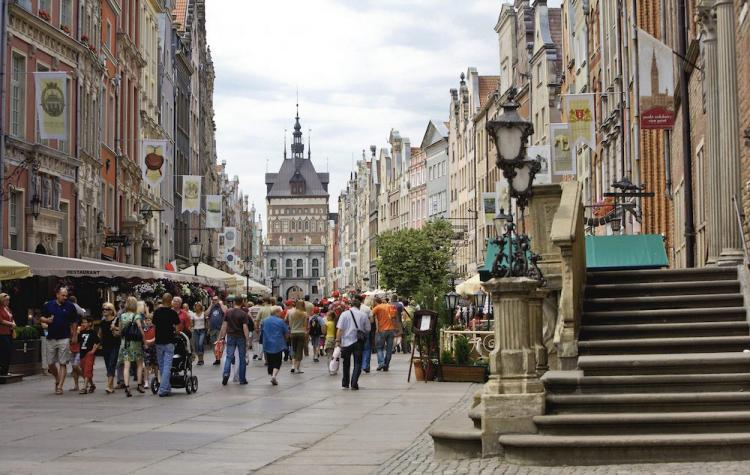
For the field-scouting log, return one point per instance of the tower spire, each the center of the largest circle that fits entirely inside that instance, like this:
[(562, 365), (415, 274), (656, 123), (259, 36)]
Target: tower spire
[(284, 144), (309, 137)]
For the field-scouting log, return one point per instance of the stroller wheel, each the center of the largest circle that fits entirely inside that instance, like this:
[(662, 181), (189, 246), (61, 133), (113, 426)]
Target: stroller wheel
[(188, 386), (154, 385), (194, 383)]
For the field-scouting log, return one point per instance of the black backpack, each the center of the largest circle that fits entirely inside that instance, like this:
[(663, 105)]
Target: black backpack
[(131, 331), (315, 327)]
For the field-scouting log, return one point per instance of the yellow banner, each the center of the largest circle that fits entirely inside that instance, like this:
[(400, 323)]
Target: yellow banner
[(52, 104), (579, 109)]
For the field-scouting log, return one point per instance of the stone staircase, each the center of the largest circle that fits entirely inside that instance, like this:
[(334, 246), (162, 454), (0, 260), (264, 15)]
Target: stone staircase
[(661, 376)]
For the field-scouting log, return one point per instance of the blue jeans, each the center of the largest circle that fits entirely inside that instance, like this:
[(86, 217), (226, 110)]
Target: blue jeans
[(238, 343), (164, 355), (384, 344), (366, 353), (110, 360), (199, 338)]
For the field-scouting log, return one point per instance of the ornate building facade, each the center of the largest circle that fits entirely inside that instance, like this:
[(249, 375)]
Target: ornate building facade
[(297, 223)]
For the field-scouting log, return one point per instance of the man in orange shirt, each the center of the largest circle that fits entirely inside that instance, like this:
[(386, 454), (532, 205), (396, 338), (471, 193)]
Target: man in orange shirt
[(385, 324)]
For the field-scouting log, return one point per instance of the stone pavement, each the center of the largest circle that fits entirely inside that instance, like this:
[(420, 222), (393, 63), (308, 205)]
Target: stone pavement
[(306, 424)]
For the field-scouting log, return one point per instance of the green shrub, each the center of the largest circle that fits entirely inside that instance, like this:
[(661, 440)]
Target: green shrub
[(27, 333), (461, 349), (446, 357)]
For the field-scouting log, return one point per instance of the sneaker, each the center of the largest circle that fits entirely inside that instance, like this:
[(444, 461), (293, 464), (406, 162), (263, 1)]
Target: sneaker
[(355, 387), (274, 382), (165, 394), (292, 370), (243, 383), (315, 360), (366, 370), (217, 362), (344, 387), (200, 363), (380, 368), (385, 368), (224, 380)]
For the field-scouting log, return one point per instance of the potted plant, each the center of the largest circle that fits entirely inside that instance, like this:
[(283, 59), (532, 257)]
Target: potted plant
[(84, 38), (65, 28), (27, 351), (464, 370), (44, 15)]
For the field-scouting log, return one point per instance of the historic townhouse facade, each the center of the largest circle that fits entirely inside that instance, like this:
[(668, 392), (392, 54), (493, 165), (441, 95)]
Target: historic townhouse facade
[(435, 147), (166, 97)]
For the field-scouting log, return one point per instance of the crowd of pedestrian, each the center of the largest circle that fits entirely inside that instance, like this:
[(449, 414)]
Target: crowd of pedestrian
[(137, 341)]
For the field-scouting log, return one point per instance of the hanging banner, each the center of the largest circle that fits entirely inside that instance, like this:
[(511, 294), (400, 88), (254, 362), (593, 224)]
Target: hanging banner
[(221, 249), (542, 152), (563, 160), (232, 261), (230, 236), (656, 82), (579, 109), (152, 165), (213, 211), (52, 104), (191, 194), (489, 205)]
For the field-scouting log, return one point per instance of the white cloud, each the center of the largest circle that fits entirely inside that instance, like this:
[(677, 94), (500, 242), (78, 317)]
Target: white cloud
[(362, 68)]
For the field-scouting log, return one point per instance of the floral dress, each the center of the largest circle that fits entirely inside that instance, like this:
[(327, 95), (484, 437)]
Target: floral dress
[(130, 350)]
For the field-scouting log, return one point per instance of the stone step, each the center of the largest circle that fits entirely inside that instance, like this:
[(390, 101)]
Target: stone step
[(737, 313), (568, 382), (594, 331), (707, 344), (560, 450), (644, 423), (647, 402), (662, 288), (693, 363), (662, 275), (455, 437), (664, 302)]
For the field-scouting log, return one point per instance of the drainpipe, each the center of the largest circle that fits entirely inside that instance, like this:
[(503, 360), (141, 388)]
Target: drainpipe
[(636, 104), (667, 133), (686, 145), (3, 46), (76, 185)]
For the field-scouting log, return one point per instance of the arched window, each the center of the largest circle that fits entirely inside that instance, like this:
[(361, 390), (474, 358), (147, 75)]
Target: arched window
[(307, 225), (289, 268), (272, 264), (300, 268), (315, 268)]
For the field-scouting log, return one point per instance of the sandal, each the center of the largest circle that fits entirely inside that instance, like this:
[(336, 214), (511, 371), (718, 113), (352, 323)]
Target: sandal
[(109, 391), (127, 391), (83, 391), (58, 391), (92, 388), (140, 389)]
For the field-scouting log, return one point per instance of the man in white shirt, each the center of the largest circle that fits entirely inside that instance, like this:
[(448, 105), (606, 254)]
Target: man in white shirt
[(367, 348), (350, 323)]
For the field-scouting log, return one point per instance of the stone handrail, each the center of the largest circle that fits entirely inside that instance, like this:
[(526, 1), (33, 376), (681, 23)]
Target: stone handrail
[(483, 342), (568, 235)]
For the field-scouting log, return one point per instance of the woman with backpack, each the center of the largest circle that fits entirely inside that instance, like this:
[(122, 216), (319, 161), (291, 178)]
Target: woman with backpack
[(315, 330), (131, 346)]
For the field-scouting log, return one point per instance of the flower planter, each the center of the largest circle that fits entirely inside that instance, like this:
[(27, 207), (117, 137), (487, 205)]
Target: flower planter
[(27, 357), (454, 373), (419, 371)]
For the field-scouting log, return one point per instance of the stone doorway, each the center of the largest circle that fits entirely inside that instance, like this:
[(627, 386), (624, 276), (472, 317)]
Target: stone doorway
[(294, 293)]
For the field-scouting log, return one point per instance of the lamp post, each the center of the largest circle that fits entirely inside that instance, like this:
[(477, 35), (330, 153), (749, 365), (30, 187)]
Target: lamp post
[(196, 249), (451, 298), (36, 204), (510, 134), (248, 268), (273, 273)]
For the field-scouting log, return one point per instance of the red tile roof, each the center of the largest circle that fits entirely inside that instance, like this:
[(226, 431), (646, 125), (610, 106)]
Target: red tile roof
[(180, 13), (487, 85)]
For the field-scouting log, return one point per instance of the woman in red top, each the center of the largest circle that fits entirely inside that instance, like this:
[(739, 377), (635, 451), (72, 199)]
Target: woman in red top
[(6, 334)]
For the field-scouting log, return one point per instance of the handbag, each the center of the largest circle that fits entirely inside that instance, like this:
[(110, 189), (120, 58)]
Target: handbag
[(361, 335), (218, 349)]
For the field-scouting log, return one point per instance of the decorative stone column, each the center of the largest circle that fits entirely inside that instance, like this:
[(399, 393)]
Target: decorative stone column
[(707, 20), (731, 238), (514, 394), (536, 329)]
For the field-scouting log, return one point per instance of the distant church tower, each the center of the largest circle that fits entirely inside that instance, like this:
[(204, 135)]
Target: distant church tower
[(297, 223)]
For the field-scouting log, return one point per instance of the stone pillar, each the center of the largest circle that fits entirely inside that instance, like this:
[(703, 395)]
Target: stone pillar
[(707, 20), (514, 394), (536, 321), (731, 238)]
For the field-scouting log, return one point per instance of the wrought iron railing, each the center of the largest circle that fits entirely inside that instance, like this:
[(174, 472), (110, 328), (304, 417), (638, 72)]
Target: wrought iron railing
[(483, 342)]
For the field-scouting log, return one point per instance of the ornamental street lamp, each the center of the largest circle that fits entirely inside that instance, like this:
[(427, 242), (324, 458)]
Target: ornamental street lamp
[(510, 134), (451, 302), (196, 250), (36, 204), (481, 298), (273, 273), (248, 268)]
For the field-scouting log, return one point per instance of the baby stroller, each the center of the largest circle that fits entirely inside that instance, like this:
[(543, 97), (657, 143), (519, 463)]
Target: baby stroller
[(181, 375)]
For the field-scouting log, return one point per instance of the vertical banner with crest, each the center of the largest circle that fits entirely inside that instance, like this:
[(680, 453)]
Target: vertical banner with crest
[(579, 109), (656, 82), (489, 205), (213, 211), (563, 159), (191, 193), (153, 153), (52, 104), (230, 238)]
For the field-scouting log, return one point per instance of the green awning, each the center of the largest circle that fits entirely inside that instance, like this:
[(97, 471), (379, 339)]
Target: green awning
[(640, 251)]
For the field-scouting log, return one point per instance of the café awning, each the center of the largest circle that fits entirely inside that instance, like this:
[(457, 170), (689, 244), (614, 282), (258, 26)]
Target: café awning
[(10, 269), (205, 270), (255, 287), (469, 287)]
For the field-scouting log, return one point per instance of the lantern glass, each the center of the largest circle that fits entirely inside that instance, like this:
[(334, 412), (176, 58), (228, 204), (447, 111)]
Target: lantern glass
[(522, 181), (500, 221), (451, 300), (480, 298), (195, 251), (509, 139)]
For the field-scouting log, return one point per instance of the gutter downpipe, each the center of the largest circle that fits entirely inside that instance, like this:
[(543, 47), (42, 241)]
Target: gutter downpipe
[(3, 47), (686, 132)]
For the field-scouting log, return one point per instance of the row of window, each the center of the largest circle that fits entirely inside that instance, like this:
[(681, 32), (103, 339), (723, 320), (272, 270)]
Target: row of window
[(294, 226), (298, 211), (438, 170), (290, 268)]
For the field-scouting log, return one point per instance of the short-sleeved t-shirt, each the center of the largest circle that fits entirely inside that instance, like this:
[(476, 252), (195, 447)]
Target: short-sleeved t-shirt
[(297, 321), (273, 330), (63, 317), (349, 329), (164, 320), (215, 316), (382, 314), (235, 319), (330, 329), (87, 339), (184, 318)]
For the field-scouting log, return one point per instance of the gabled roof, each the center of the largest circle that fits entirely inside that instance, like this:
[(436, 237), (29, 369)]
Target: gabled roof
[(436, 131), (487, 85), (180, 13), (296, 169)]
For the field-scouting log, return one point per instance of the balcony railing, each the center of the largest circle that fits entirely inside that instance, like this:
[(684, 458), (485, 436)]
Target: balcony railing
[(482, 342)]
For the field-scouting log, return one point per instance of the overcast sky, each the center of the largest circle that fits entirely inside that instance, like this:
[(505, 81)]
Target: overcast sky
[(362, 68)]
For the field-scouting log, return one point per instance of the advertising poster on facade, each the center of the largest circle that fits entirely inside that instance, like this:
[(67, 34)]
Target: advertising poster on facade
[(191, 194), (579, 109), (542, 152), (52, 104), (152, 164), (221, 247), (489, 205), (213, 211), (563, 159), (656, 82)]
